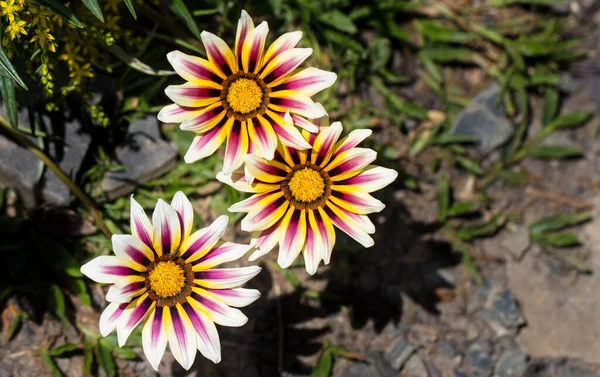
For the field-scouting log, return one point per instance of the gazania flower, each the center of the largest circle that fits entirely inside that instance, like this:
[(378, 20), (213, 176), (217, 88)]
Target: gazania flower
[(300, 195), (252, 96), (164, 274)]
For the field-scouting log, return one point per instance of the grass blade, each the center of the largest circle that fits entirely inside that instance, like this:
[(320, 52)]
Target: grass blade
[(60, 9), (7, 90), (94, 7), (7, 69), (129, 4), (178, 7)]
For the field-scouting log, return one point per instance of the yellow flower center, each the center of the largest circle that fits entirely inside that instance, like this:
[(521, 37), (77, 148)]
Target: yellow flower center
[(244, 95), (306, 185), (166, 279)]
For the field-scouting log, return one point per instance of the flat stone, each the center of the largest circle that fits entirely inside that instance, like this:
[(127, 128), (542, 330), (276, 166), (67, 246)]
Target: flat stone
[(360, 370), (484, 118), (415, 367), (517, 242), (398, 353), (68, 144), (511, 364), (145, 156), (478, 360), (503, 305)]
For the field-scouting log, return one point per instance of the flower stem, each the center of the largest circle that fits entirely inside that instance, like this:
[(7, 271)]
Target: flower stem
[(47, 160)]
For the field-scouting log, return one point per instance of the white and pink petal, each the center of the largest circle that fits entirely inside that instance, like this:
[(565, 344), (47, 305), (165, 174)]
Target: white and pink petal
[(292, 236), (154, 337), (193, 68), (108, 269), (202, 240), (167, 228), (194, 94), (223, 278)]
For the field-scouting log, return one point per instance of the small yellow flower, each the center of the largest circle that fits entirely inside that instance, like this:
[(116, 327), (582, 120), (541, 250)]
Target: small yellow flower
[(15, 28), (44, 40), (9, 8)]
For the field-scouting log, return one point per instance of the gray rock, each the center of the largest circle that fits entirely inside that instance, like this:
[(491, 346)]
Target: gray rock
[(517, 242), (145, 155), (398, 353), (511, 364), (23, 171), (502, 312), (478, 360), (432, 370), (360, 370), (484, 118), (415, 367)]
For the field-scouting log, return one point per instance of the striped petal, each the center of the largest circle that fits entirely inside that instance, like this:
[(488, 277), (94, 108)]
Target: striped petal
[(132, 250), (193, 94), (291, 237), (193, 68), (167, 228), (324, 142), (206, 333), (226, 252), (107, 269), (282, 44), (287, 133), (238, 181), (352, 140), (264, 241), (204, 120), (278, 69), (372, 178), (223, 278), (219, 53), (268, 211), (236, 297), (308, 81), (176, 114), (300, 104), (181, 336), (237, 146), (154, 337), (317, 244), (262, 136), (254, 47), (140, 224), (348, 225), (326, 231), (185, 211), (355, 200), (201, 241), (244, 27), (132, 316), (125, 289), (349, 163), (110, 317), (216, 310), (247, 205), (304, 124), (266, 171), (206, 144)]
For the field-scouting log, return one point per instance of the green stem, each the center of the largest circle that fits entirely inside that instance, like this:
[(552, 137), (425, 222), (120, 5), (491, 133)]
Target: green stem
[(37, 152)]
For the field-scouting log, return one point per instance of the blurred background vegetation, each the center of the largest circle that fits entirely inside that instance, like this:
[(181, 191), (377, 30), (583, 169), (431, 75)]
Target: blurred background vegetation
[(406, 69)]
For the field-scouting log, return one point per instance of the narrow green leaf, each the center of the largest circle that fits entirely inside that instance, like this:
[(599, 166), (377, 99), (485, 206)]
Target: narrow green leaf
[(550, 106), (88, 359), (7, 69), (135, 63), (379, 53), (343, 40), (14, 325), (180, 9), (436, 32), (558, 222), (513, 177), (443, 198), (50, 363), (94, 7), (555, 152), (563, 239), (60, 9), (469, 165), (324, 364), (339, 21), (57, 351), (7, 90), (482, 230), (105, 358), (462, 208), (58, 302), (448, 54), (125, 353), (129, 4), (411, 110), (206, 12), (80, 289), (574, 119)]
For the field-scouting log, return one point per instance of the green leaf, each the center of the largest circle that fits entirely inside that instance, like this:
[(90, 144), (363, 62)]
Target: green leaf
[(178, 7), (58, 302), (105, 358), (339, 21), (135, 63), (7, 90), (411, 110), (129, 4), (447, 54), (462, 208), (481, 230), (436, 32), (7, 69), (57, 351), (550, 106), (379, 53), (14, 325), (324, 364), (88, 359), (570, 120), (469, 165), (513, 177), (50, 363), (555, 152), (125, 353), (80, 289), (343, 40), (94, 7), (60, 9), (563, 239), (443, 198), (558, 222)]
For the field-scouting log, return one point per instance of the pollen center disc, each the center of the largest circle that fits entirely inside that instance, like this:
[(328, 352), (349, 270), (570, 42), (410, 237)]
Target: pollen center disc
[(166, 279), (306, 185), (244, 95)]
